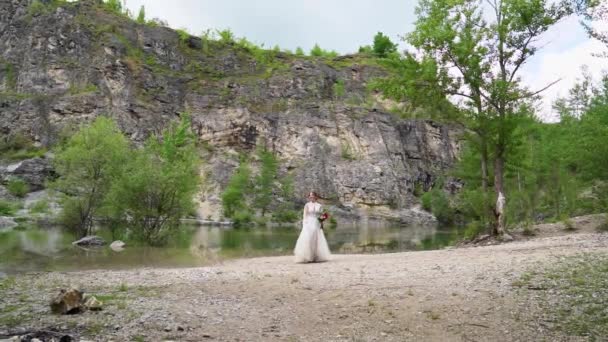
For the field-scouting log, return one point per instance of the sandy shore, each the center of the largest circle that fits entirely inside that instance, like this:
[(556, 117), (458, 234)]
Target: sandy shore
[(456, 294)]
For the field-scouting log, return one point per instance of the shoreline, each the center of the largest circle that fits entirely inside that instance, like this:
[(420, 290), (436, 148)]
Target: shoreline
[(454, 294)]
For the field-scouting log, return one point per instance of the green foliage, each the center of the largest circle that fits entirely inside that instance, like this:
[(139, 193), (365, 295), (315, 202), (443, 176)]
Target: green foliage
[(317, 51), (426, 200), (88, 163), (40, 207), (383, 46), (7, 208), (264, 182), (419, 86), (338, 89), (157, 184), (457, 46), (141, 15), (473, 229), (36, 8), (366, 49), (285, 211), (238, 188), (183, 35), (437, 202), (226, 36), (113, 6), (10, 76), (17, 187), (299, 51)]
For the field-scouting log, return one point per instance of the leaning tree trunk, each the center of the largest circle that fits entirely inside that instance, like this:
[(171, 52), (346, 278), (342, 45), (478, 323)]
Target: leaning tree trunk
[(500, 208)]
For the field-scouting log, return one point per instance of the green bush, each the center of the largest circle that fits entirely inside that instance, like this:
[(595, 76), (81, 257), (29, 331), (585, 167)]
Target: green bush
[(234, 196), (7, 208), (242, 218), (183, 35), (40, 207), (17, 187), (88, 163), (113, 6), (36, 8), (338, 89), (285, 215), (426, 200), (473, 229), (226, 36), (383, 46), (437, 202), (157, 184), (299, 51)]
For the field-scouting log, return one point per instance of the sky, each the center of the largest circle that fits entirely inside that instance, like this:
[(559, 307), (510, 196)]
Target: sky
[(344, 25)]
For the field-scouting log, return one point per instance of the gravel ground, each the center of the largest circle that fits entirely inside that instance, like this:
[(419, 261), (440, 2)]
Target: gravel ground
[(455, 294)]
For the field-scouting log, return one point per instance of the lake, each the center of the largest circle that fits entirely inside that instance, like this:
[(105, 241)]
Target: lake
[(37, 249)]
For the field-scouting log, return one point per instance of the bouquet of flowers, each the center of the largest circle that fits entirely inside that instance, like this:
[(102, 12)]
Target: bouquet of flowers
[(324, 216)]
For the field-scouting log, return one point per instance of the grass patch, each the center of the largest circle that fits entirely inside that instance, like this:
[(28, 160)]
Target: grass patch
[(40, 207), (17, 187), (8, 208), (7, 283), (575, 294)]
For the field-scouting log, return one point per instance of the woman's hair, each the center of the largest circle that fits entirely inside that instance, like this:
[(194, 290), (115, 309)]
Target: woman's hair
[(314, 194)]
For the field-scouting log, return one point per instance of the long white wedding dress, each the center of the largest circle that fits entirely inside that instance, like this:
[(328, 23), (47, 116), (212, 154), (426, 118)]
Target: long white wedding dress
[(311, 245)]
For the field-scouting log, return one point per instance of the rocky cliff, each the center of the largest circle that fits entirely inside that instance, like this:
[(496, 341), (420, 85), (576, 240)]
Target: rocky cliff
[(63, 64)]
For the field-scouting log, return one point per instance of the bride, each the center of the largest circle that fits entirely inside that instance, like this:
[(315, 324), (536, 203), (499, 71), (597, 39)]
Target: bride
[(311, 245)]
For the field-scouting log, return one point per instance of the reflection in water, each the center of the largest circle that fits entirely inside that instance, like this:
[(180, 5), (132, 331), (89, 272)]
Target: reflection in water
[(51, 249)]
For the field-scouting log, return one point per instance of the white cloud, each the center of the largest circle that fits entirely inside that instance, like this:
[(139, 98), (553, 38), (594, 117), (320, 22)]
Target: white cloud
[(564, 65)]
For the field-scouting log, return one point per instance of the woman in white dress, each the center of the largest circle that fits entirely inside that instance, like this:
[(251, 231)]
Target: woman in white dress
[(311, 245)]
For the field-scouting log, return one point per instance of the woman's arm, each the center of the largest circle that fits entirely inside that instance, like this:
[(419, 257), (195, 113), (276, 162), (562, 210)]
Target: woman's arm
[(304, 214)]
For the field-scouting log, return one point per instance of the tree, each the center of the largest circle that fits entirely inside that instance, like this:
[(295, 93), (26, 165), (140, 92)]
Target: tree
[(158, 184), (141, 16), (88, 163), (479, 56), (383, 46), (235, 195), (316, 51), (299, 51), (265, 181)]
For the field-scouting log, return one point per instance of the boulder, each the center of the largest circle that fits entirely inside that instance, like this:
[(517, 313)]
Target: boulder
[(92, 240), (117, 246), (92, 303), (7, 223), (67, 302)]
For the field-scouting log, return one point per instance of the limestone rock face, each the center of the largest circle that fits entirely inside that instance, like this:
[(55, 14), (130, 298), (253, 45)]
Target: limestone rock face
[(72, 63), (33, 171)]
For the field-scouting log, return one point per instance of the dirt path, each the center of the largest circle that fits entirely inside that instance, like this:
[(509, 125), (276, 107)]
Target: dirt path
[(458, 294)]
